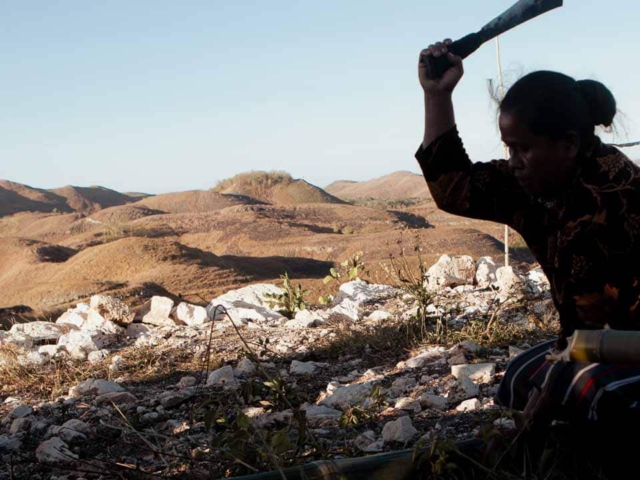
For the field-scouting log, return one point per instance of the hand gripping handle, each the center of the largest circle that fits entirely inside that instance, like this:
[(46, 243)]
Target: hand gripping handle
[(436, 66)]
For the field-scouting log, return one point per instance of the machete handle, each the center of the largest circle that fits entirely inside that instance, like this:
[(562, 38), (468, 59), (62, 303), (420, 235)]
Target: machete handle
[(436, 66)]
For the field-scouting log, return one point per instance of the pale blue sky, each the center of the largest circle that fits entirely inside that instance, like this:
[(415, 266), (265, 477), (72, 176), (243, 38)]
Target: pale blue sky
[(160, 96)]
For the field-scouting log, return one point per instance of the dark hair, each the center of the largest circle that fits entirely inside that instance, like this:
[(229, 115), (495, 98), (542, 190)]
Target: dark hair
[(551, 104)]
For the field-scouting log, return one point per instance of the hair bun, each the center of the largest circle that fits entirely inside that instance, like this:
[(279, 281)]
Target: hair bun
[(600, 100)]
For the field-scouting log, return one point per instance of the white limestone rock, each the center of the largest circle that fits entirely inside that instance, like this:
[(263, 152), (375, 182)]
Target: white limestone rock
[(318, 415), (94, 386), (245, 368), (39, 332), (223, 377), (470, 405), (400, 430), (17, 339), (137, 330), (451, 271), (349, 396), (112, 309), (486, 270), (186, 382), (192, 315), (304, 368), (55, 452), (478, 372), (97, 356), (359, 292), (157, 311), (509, 279), (408, 404), (463, 389), (75, 316), (434, 402)]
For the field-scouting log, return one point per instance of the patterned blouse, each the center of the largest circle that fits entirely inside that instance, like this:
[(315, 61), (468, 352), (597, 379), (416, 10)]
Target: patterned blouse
[(587, 241)]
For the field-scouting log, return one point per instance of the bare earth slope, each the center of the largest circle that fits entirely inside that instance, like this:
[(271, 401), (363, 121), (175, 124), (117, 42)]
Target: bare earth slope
[(397, 185), (200, 244), (195, 201)]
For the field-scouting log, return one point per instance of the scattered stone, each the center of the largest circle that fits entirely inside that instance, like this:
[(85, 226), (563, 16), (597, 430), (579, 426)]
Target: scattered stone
[(458, 359), (39, 332), (97, 356), (55, 451), (408, 404), (303, 368), (318, 415), (192, 315), (379, 316), (9, 444), (451, 272), (349, 396), (400, 430), (20, 425), (486, 272), (509, 279), (470, 405), (245, 368), (94, 387), (305, 319), (433, 401), (50, 350), (248, 297), (112, 309), (186, 382), (34, 358), (505, 423), (359, 292), (347, 310), (75, 316), (86, 342), (173, 399), (365, 439), (20, 411), (73, 431), (117, 398), (478, 372), (157, 311), (97, 323), (463, 389), (403, 385), (17, 339), (424, 357), (222, 377), (469, 346), (137, 330)]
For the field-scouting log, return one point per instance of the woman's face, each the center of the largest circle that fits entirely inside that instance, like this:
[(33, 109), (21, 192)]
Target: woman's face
[(542, 166)]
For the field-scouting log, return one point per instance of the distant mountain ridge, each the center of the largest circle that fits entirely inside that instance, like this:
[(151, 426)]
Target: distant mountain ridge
[(395, 186), (16, 198)]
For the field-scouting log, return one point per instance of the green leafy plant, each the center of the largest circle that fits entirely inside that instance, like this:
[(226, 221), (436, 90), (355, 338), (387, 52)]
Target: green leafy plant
[(290, 301)]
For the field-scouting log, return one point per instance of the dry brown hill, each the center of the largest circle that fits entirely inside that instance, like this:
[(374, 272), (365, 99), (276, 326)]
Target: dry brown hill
[(277, 188), (395, 186), (195, 201), (16, 197)]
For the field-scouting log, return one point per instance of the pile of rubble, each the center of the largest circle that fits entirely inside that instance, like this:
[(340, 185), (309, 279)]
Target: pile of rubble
[(432, 390)]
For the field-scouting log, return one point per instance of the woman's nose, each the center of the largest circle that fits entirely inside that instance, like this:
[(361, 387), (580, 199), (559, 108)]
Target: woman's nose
[(515, 163)]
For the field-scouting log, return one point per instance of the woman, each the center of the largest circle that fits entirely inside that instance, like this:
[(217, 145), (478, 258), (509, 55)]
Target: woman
[(576, 203)]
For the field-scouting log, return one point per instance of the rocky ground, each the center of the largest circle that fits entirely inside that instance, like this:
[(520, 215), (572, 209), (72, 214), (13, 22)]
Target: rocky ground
[(235, 387)]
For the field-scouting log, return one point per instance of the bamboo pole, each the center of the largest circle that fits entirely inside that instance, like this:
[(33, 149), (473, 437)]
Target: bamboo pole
[(504, 147)]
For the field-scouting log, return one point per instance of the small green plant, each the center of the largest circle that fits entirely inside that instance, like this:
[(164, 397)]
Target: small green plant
[(350, 269), (290, 301), (411, 280)]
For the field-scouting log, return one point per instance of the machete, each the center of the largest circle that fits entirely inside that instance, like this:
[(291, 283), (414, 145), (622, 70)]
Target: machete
[(519, 13)]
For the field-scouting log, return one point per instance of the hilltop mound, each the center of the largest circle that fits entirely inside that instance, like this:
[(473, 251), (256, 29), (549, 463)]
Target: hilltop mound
[(91, 199), (395, 186), (277, 188), (16, 198), (195, 201)]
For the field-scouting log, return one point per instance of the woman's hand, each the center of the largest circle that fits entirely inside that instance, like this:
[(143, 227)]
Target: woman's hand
[(450, 78)]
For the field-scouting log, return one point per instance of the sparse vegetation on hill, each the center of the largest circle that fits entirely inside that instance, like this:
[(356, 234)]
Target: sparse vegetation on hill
[(277, 188), (395, 187)]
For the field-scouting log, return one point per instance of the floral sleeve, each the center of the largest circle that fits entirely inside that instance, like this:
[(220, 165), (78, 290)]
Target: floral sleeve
[(483, 190)]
